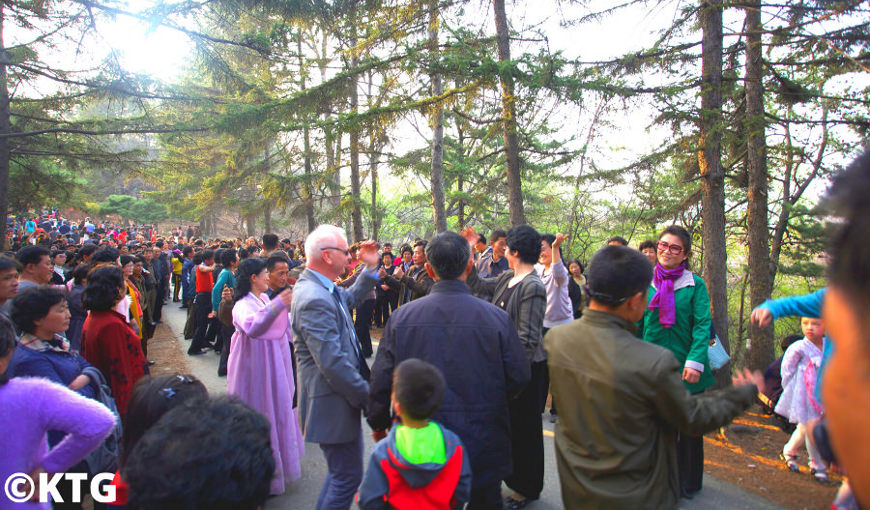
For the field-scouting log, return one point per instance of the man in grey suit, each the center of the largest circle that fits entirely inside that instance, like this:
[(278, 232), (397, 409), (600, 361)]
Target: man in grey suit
[(332, 374)]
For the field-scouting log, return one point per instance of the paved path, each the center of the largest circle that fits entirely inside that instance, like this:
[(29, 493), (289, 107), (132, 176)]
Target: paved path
[(302, 494)]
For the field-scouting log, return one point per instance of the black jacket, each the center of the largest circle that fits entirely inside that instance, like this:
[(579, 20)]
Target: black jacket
[(412, 285), (476, 347)]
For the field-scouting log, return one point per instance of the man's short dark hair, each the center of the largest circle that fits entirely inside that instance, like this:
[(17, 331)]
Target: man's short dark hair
[(159, 244), (7, 263), (849, 269), (106, 254), (31, 255), (617, 239), (419, 387), (448, 254), (228, 257), (186, 251), (207, 255), (406, 248), (87, 249), (481, 238), (33, 304), (646, 245), (275, 259), (617, 273), (213, 454), (270, 241), (423, 243), (496, 235), (526, 241)]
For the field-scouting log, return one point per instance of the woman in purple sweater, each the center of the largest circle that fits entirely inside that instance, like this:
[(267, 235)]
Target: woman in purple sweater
[(29, 407)]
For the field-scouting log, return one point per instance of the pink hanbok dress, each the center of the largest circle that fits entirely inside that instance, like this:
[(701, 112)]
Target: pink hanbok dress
[(260, 373), (800, 366)]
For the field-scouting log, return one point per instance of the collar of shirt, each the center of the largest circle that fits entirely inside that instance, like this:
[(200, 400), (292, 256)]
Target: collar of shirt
[(324, 280), (59, 344)]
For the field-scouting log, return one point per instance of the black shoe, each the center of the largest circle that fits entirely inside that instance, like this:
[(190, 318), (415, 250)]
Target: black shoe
[(514, 504), (197, 353), (151, 362)]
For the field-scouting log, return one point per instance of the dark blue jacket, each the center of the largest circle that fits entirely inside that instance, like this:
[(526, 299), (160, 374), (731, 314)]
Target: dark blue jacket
[(58, 367), (187, 290), (476, 347)]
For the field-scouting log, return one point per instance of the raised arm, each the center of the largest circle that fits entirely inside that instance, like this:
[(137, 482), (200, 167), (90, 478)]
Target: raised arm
[(268, 323)]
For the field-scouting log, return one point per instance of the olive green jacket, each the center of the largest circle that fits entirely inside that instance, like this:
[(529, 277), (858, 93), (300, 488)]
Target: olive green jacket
[(621, 403)]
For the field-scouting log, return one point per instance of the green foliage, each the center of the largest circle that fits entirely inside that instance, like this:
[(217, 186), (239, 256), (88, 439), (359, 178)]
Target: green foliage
[(140, 210)]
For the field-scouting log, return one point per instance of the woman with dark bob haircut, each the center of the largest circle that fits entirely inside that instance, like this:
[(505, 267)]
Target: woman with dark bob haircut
[(108, 342), (520, 292)]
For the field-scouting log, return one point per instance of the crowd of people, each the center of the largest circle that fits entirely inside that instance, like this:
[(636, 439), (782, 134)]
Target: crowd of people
[(479, 334)]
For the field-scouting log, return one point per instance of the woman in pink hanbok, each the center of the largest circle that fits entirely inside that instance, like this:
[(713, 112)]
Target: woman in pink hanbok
[(260, 370)]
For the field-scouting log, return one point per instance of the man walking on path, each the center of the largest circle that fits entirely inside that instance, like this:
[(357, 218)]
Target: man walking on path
[(476, 347), (332, 374)]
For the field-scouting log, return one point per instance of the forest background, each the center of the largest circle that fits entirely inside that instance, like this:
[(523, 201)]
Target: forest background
[(398, 119)]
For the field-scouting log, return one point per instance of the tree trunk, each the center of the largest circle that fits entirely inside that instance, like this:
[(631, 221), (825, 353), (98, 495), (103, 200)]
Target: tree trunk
[(250, 224), (460, 182), (308, 186), (511, 145), (760, 270), (355, 212), (267, 205), (4, 142), (436, 177), (712, 173)]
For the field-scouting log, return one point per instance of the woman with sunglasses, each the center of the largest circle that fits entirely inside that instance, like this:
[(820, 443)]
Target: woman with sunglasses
[(678, 319)]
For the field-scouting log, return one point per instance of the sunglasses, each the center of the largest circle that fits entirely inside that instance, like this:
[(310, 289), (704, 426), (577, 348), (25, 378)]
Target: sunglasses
[(673, 249), (346, 252)]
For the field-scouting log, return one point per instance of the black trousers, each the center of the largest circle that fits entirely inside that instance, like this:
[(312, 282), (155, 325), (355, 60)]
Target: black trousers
[(176, 286), (226, 337), (205, 329), (362, 322), (382, 310), (485, 498), (162, 286), (690, 462), (545, 390), (527, 437)]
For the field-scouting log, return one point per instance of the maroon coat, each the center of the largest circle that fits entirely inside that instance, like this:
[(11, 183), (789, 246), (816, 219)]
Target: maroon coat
[(109, 344)]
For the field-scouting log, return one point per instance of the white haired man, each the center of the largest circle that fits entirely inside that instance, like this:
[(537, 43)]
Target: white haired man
[(333, 376)]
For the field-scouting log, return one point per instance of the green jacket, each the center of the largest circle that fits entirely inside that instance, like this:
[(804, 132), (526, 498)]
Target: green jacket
[(689, 338), (621, 403)]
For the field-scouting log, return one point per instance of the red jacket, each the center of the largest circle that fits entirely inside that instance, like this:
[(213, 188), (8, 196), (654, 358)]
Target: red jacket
[(109, 344)]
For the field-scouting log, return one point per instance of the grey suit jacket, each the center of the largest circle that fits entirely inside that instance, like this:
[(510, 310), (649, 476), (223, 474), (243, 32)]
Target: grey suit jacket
[(331, 390)]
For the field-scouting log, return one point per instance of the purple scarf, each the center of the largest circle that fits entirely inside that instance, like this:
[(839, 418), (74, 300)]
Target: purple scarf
[(664, 296)]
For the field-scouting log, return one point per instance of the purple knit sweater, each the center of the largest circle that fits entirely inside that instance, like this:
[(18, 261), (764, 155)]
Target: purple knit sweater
[(31, 406)]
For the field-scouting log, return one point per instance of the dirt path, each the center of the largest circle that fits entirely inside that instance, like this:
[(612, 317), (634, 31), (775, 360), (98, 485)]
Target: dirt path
[(748, 457), (164, 350)]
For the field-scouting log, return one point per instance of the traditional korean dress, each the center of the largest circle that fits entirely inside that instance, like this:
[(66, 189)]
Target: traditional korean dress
[(260, 373)]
